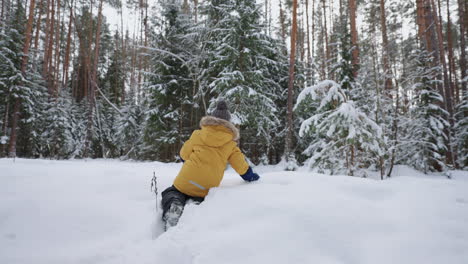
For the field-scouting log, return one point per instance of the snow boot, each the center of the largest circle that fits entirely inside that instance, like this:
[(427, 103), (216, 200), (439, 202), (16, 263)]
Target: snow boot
[(171, 217)]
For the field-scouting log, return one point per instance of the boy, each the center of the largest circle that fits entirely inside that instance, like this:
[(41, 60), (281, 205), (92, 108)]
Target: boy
[(205, 156)]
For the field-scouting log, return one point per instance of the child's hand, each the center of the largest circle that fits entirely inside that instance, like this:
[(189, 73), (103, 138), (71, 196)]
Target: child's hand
[(250, 175)]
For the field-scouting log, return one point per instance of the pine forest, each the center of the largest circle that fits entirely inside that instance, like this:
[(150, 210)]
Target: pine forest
[(340, 86)]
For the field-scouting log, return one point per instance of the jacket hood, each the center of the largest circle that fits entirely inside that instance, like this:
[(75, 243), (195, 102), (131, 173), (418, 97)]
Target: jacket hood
[(217, 131)]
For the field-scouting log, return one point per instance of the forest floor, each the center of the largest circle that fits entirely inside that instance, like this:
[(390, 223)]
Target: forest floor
[(102, 211)]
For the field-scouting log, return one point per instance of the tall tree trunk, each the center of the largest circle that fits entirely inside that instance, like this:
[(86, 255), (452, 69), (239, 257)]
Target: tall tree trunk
[(309, 56), (420, 21), (49, 48), (46, 41), (88, 70), (462, 16), (38, 28), (354, 36), (452, 71), (386, 65), (301, 41), (313, 29), (5, 123), (327, 47), (56, 63), (67, 50), (427, 34), (289, 137), (89, 84), (93, 79), (97, 44), (24, 63), (282, 22)]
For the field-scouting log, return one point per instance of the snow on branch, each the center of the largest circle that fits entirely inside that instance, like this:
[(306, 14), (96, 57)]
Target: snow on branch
[(330, 88)]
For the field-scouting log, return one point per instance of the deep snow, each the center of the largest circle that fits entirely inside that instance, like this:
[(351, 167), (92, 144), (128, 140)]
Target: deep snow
[(102, 211)]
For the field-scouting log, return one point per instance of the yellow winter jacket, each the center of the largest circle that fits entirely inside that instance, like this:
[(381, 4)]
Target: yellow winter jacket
[(206, 154)]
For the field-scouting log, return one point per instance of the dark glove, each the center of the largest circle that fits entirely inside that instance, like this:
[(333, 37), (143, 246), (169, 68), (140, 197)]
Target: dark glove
[(250, 175)]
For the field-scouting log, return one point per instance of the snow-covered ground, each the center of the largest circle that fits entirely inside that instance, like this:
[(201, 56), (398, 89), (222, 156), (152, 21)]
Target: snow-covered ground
[(102, 211)]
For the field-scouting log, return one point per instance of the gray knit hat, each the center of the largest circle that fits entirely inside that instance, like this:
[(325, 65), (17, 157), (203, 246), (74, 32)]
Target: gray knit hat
[(222, 111)]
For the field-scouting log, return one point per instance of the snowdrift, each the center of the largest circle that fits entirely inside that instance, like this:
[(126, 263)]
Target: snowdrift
[(102, 211)]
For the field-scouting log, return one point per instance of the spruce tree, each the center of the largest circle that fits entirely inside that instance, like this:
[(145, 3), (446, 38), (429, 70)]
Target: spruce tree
[(29, 87), (423, 141), (170, 87), (461, 132), (243, 66), (129, 130)]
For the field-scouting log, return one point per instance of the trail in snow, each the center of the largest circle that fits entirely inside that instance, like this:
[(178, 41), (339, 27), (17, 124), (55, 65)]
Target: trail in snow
[(102, 211)]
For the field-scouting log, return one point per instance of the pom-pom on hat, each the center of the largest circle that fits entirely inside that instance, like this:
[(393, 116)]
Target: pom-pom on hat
[(222, 111)]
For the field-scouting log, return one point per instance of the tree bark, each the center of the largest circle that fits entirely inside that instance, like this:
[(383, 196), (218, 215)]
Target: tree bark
[(24, 62), (93, 80), (67, 50), (420, 21), (313, 28), (56, 63), (386, 65), (5, 123), (38, 27), (49, 43), (89, 85), (289, 137), (309, 56), (46, 40), (327, 47), (282, 22), (354, 36), (97, 43), (452, 71), (462, 16)]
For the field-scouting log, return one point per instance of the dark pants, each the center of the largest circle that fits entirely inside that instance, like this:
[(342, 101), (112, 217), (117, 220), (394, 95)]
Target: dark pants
[(172, 195)]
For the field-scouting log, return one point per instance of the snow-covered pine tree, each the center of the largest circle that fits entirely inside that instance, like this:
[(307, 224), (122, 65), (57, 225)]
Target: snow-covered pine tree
[(422, 144), (343, 132), (243, 66), (170, 87)]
